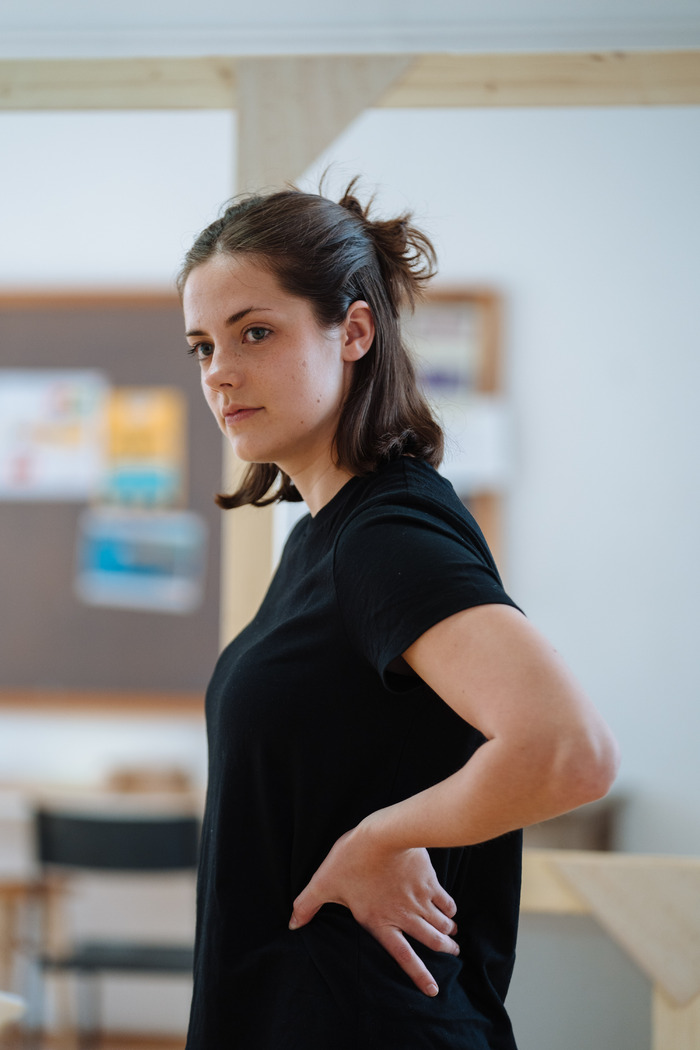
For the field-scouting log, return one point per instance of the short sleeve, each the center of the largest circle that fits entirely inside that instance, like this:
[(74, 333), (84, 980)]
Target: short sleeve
[(399, 570)]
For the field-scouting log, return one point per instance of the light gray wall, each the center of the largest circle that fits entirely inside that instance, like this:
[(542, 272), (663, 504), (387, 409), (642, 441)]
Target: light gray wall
[(588, 221)]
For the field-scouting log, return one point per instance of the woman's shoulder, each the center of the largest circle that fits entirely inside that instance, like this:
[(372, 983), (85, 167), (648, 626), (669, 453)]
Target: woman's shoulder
[(409, 495), (413, 487)]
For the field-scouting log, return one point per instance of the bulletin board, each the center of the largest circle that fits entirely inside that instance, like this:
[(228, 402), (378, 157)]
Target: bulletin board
[(50, 638)]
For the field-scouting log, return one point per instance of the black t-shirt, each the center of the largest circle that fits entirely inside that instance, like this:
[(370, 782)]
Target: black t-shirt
[(311, 727)]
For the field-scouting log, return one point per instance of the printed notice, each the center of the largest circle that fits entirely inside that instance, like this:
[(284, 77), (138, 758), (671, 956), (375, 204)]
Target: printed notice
[(145, 447), (51, 433), (141, 559)]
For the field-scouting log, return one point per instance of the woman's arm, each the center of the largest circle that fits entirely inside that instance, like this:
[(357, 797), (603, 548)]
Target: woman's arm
[(547, 751)]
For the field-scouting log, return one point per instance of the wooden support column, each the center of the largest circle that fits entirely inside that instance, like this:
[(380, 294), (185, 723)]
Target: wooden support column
[(650, 906), (292, 108), (674, 1027), (289, 110)]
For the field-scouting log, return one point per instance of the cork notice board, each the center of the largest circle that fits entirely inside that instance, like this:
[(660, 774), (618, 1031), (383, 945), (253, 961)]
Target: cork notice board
[(49, 638)]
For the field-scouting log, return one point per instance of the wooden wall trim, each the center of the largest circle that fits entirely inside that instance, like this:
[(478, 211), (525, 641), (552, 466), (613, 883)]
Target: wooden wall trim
[(97, 703), (80, 298)]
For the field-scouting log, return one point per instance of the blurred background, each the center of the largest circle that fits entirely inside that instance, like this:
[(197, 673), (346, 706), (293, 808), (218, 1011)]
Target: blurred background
[(584, 223)]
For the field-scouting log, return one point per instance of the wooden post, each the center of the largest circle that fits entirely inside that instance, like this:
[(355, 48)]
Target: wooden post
[(674, 1027), (289, 110), (650, 906)]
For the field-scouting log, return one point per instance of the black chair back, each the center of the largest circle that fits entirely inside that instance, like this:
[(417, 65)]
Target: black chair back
[(116, 842)]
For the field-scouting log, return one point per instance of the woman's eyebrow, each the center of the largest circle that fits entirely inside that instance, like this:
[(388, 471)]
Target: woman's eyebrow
[(233, 319)]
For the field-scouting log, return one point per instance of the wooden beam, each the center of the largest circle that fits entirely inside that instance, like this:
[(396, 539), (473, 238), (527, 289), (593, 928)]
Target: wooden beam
[(674, 1027), (292, 108), (117, 83), (620, 78), (544, 890), (246, 555), (650, 907)]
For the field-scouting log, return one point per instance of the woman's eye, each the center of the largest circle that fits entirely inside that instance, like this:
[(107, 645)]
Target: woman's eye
[(201, 350), (256, 334)]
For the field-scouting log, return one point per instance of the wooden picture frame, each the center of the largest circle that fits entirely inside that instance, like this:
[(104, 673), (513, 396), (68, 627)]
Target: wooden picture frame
[(452, 321), (455, 335)]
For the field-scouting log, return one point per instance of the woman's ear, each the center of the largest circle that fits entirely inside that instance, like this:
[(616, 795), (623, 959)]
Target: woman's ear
[(358, 331)]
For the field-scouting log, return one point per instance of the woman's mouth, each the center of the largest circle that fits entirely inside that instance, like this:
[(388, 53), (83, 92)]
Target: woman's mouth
[(238, 414)]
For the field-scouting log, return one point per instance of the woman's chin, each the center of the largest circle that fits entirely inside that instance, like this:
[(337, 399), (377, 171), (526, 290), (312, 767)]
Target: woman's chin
[(246, 453)]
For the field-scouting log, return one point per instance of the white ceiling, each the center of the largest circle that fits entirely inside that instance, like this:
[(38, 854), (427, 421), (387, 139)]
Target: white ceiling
[(102, 28)]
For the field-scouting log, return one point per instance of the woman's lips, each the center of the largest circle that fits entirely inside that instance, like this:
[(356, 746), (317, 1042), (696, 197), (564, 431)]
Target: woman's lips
[(232, 416)]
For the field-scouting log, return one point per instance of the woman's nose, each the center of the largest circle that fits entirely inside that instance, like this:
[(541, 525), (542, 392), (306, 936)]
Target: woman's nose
[(223, 370)]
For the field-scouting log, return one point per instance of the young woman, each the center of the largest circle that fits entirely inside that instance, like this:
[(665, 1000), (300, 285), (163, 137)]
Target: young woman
[(389, 720)]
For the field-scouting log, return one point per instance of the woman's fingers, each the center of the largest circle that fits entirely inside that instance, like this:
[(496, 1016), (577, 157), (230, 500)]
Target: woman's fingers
[(394, 942), (440, 921), (443, 902), (428, 934), (393, 894)]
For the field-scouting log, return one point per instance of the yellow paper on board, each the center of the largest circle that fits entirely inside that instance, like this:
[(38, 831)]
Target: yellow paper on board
[(145, 446)]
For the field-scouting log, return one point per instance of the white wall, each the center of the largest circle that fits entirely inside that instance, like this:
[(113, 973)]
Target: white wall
[(108, 198), (588, 221)]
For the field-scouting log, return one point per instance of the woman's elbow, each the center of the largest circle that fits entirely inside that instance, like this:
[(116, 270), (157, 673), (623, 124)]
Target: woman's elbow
[(588, 766)]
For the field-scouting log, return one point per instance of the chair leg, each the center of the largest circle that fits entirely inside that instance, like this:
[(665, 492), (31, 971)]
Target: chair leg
[(88, 1019), (34, 1020)]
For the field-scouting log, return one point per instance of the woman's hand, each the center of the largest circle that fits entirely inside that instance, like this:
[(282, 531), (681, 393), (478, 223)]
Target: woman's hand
[(390, 893)]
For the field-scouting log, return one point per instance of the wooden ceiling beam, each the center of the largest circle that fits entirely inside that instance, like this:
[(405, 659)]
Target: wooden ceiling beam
[(117, 83), (442, 81), (629, 78)]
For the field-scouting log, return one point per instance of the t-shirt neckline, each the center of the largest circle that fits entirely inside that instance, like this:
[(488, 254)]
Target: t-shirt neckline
[(335, 501)]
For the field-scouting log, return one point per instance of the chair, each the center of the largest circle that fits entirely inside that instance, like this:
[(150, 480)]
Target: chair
[(69, 843)]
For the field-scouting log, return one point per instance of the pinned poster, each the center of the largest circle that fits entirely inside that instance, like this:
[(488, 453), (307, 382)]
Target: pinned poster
[(150, 560), (51, 433), (145, 447), (446, 339)]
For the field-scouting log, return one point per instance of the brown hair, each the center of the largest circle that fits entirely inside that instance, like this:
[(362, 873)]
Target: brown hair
[(333, 255)]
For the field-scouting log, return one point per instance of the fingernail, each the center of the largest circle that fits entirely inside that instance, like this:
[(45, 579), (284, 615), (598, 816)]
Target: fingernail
[(293, 924), (432, 989)]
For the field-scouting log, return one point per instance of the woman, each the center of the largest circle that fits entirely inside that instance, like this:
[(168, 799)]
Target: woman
[(389, 720)]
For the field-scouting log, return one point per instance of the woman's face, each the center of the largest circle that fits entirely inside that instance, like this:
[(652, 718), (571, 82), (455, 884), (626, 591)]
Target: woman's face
[(274, 379)]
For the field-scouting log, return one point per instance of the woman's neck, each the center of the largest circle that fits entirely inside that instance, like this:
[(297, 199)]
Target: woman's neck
[(319, 489)]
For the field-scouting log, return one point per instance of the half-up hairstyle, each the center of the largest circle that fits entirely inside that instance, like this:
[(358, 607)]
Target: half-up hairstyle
[(333, 255)]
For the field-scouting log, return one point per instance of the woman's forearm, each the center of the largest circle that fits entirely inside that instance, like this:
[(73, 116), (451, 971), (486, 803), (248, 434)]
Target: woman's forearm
[(547, 749), (497, 791)]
